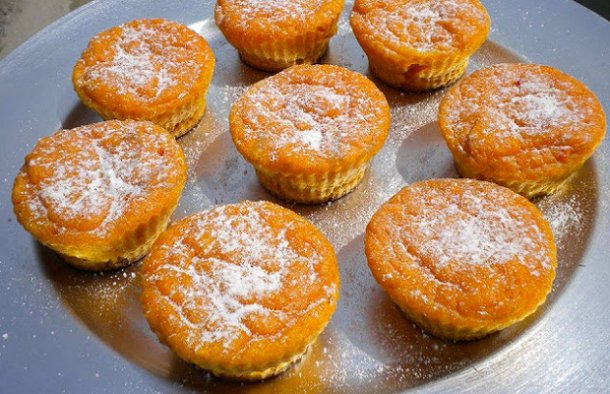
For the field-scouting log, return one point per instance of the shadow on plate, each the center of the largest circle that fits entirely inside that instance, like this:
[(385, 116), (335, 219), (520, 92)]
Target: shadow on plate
[(80, 115), (108, 305), (424, 155), (410, 357), (369, 346), (233, 71)]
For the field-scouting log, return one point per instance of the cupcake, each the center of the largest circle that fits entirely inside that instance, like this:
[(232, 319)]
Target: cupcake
[(99, 195), (147, 69), (273, 35), (240, 290), (524, 126), (461, 258), (419, 45), (310, 131)]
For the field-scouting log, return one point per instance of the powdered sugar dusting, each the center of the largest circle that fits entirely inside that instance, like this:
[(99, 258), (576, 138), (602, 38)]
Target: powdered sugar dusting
[(136, 66), (532, 108), (85, 178), (471, 229), (517, 103), (240, 264), (145, 60), (425, 25), (268, 13), (302, 118), (565, 215), (325, 119)]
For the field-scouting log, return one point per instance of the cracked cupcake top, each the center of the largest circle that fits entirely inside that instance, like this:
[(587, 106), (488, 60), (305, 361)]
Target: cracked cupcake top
[(229, 282), (421, 25), (93, 182), (313, 117), (462, 248)]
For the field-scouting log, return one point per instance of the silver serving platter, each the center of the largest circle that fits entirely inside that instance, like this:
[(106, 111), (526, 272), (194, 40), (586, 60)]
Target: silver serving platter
[(62, 330)]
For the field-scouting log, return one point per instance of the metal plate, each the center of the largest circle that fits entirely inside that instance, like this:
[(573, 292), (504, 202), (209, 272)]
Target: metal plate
[(65, 330)]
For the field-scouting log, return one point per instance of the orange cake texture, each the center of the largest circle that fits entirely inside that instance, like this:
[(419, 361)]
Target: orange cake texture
[(275, 34), (147, 69), (419, 44), (462, 258), (310, 131), (525, 126), (100, 194), (240, 290)]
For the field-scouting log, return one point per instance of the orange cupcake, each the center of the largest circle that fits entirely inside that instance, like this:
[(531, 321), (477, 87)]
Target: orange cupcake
[(524, 126), (462, 258), (275, 34), (240, 290), (310, 131), (99, 195), (419, 45), (147, 69)]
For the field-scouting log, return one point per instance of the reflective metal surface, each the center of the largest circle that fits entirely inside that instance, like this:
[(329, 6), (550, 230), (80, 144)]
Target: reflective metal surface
[(65, 330)]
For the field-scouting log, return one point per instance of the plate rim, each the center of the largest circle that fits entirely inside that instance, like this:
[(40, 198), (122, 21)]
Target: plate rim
[(14, 58)]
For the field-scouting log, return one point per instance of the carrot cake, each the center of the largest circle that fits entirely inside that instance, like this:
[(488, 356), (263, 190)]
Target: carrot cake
[(524, 126), (275, 34), (147, 69), (99, 195), (241, 290), (310, 131), (462, 258), (419, 44)]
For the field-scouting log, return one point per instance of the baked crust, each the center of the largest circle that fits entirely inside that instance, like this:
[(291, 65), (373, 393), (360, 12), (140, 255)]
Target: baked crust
[(462, 258), (100, 194), (310, 131), (274, 34), (419, 44), (525, 126), (240, 290), (147, 69)]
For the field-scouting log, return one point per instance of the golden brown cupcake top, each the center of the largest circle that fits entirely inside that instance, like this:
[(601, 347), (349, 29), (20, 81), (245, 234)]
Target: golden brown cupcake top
[(258, 18), (91, 183), (315, 117), (143, 66), (460, 249), (406, 26), (524, 119), (241, 285)]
